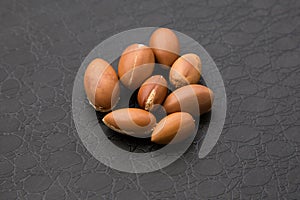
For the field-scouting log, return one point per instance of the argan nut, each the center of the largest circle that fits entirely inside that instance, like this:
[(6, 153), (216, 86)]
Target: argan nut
[(165, 46), (136, 65), (194, 99), (179, 124), (101, 85), (153, 91), (185, 70), (131, 121)]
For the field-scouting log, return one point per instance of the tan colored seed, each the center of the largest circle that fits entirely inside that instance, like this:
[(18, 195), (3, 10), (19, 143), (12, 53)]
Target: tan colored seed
[(136, 65), (194, 99), (131, 121), (174, 128), (165, 46), (153, 91), (185, 70), (101, 85)]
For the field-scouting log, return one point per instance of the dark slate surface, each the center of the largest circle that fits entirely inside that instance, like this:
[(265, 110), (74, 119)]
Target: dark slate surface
[(256, 47)]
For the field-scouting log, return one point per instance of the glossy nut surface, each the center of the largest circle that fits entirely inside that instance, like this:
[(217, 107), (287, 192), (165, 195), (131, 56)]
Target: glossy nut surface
[(185, 70), (101, 85), (165, 46), (131, 121), (179, 124), (136, 65), (153, 91), (194, 99)]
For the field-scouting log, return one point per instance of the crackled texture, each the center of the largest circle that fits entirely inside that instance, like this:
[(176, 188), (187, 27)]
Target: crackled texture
[(256, 47)]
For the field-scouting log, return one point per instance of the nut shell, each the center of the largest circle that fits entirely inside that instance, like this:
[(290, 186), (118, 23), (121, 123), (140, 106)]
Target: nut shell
[(153, 91), (185, 70), (165, 46), (136, 65), (131, 121), (179, 124), (194, 99), (101, 85)]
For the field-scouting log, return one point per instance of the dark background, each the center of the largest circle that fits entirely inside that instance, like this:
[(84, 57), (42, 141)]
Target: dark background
[(256, 47)]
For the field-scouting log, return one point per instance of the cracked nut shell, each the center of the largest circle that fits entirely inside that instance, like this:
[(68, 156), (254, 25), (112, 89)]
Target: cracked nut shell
[(101, 85), (136, 65), (165, 46), (185, 70), (131, 121), (179, 124), (153, 91), (194, 99)]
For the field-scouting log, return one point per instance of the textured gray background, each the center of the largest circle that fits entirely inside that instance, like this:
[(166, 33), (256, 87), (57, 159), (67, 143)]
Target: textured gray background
[(256, 47)]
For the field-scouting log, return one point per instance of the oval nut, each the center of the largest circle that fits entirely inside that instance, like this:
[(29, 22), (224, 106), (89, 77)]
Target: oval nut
[(131, 121), (136, 65), (194, 99), (165, 46), (153, 91), (185, 70), (101, 85), (174, 128)]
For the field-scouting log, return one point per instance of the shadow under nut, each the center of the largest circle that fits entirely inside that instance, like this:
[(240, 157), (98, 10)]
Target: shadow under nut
[(194, 99), (101, 85)]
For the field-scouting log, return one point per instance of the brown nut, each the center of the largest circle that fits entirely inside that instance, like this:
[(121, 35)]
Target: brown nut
[(194, 99), (131, 121), (136, 65), (179, 124), (165, 46), (185, 70), (101, 85), (153, 91)]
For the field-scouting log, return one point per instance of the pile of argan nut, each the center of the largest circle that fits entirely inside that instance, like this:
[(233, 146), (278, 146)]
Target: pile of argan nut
[(135, 69)]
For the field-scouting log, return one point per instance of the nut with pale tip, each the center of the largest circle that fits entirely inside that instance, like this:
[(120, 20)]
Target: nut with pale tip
[(194, 99), (101, 85), (173, 128), (131, 121), (153, 91), (185, 70)]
